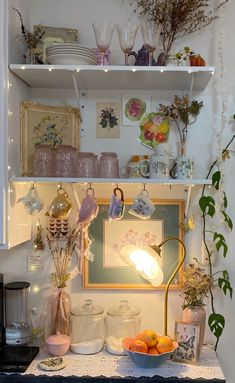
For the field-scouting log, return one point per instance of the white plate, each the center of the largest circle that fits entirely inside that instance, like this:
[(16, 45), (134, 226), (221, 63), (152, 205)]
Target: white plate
[(74, 47), (72, 52), (69, 60)]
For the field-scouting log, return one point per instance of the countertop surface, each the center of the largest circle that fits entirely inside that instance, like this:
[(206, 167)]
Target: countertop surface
[(111, 368)]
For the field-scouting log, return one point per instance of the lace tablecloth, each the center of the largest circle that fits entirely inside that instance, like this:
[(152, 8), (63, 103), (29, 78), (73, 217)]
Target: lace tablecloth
[(107, 365)]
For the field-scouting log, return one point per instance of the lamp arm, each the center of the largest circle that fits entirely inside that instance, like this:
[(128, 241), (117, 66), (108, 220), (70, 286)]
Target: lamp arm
[(181, 260)]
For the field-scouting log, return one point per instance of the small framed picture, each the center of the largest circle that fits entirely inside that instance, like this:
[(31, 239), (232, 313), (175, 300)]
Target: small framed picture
[(187, 336), (107, 119), (55, 35)]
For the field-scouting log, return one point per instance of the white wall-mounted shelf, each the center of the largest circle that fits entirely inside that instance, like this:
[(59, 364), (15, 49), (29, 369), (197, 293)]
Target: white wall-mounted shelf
[(160, 181), (114, 77)]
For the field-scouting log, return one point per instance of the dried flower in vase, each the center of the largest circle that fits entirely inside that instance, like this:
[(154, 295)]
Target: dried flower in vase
[(184, 113), (61, 258), (195, 285), (32, 39), (178, 18)]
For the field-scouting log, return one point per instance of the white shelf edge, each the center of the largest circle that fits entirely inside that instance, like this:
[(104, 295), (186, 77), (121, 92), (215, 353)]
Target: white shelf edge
[(160, 181), (105, 68)]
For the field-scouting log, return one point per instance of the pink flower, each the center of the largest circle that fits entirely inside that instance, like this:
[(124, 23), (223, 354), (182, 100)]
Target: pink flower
[(149, 135), (134, 108), (157, 120)]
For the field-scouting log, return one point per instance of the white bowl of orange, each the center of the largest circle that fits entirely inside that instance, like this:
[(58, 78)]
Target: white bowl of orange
[(149, 350)]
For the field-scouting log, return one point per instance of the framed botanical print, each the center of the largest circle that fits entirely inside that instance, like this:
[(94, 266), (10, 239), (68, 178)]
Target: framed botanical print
[(46, 125)]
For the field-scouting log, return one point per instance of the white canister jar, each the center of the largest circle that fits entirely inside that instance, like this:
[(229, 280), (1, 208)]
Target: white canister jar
[(87, 328)]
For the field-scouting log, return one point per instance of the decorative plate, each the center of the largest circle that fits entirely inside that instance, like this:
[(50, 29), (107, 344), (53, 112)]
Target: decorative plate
[(154, 129), (135, 109), (52, 364)]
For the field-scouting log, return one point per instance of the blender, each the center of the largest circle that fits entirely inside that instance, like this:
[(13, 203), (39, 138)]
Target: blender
[(17, 328)]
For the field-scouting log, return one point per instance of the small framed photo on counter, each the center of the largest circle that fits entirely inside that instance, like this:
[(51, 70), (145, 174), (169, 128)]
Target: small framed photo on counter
[(187, 336)]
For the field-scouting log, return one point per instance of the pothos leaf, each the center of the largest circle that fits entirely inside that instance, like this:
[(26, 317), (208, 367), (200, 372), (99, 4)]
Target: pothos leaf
[(207, 205), (227, 220), (220, 243), (216, 179), (216, 323), (225, 284)]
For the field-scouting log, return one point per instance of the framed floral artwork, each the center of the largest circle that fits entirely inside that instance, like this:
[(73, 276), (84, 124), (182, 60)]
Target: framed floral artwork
[(107, 119), (46, 125), (134, 108), (109, 270)]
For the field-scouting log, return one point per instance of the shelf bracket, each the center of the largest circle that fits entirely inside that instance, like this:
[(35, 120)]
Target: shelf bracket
[(191, 86), (188, 200), (81, 102)]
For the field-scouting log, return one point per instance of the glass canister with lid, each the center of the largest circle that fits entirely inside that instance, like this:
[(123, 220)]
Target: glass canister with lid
[(87, 328), (121, 321)]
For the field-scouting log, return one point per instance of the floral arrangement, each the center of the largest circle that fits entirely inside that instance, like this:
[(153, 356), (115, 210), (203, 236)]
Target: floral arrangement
[(195, 285), (188, 57), (182, 110), (61, 258), (154, 129), (32, 39), (177, 18)]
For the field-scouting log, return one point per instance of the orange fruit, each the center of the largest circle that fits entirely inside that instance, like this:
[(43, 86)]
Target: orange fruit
[(153, 351), (164, 344), (148, 336), (139, 346)]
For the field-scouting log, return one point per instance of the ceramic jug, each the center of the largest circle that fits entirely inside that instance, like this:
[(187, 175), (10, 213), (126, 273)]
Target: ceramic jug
[(142, 58)]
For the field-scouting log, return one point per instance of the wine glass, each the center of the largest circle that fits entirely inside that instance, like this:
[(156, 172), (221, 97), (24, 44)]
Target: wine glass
[(103, 35), (150, 33), (126, 33)]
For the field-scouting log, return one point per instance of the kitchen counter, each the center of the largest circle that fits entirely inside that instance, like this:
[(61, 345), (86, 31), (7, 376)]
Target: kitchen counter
[(107, 368)]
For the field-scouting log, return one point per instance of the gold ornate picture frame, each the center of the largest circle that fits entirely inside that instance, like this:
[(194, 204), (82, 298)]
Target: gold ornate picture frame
[(48, 125)]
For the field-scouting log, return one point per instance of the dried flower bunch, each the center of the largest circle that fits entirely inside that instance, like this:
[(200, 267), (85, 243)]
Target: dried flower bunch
[(182, 110), (178, 18), (61, 258), (195, 285), (32, 39)]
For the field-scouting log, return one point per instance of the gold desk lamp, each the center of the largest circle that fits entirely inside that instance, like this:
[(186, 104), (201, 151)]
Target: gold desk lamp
[(147, 262)]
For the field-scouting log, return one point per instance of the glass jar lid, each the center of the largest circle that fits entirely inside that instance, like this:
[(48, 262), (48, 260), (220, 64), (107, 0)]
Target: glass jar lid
[(123, 310), (87, 309)]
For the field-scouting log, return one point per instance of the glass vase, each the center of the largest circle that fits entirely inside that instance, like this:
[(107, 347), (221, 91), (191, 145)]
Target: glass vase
[(60, 311), (196, 314)]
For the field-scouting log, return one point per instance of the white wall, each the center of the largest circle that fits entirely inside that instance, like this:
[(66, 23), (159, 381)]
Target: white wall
[(209, 134)]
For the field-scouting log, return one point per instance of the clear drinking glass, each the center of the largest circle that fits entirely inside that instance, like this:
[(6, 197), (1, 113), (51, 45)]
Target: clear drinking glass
[(103, 35), (126, 33), (150, 33)]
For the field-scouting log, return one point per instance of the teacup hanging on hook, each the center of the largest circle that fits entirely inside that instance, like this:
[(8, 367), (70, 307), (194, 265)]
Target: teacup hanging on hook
[(116, 207), (32, 202), (89, 207), (142, 206), (60, 206)]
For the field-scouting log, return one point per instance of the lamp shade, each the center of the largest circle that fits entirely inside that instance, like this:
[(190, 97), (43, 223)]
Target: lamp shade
[(146, 261)]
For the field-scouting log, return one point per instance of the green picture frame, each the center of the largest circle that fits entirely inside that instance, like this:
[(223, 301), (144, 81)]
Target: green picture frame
[(102, 274)]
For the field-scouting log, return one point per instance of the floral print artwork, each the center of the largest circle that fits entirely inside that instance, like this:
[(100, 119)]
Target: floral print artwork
[(135, 109), (48, 132), (107, 120)]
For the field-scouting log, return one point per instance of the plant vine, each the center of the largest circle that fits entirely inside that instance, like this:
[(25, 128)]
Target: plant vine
[(207, 203)]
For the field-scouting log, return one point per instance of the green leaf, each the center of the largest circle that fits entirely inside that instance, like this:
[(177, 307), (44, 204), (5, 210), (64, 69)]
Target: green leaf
[(216, 179), (207, 205), (225, 200), (220, 243), (216, 323), (225, 285), (227, 220)]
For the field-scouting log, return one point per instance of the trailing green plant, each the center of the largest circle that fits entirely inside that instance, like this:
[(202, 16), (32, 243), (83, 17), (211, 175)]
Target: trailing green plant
[(208, 206)]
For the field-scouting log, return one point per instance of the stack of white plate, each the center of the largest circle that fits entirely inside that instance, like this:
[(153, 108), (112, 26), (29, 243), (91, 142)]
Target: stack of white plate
[(69, 53)]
